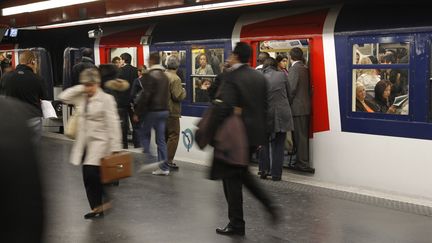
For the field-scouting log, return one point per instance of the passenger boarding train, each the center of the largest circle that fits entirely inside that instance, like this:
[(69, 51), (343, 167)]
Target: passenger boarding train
[(345, 49)]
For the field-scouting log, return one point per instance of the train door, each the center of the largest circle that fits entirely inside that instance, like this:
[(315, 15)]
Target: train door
[(117, 51), (279, 49)]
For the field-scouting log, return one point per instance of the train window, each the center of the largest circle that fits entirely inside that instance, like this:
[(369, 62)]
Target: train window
[(282, 47), (181, 55), (381, 53), (378, 86), (206, 64)]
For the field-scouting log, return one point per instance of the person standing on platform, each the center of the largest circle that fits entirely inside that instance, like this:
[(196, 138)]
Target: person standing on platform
[(262, 56), (279, 121), (177, 94), (300, 100), (24, 84), (152, 111), (128, 73), (246, 89), (98, 135), (86, 62)]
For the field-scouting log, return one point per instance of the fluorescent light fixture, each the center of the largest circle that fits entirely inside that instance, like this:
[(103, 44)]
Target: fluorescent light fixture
[(38, 6), (190, 9)]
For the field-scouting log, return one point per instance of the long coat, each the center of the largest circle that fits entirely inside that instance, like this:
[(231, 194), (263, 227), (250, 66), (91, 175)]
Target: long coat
[(246, 88), (279, 116), (300, 94), (98, 131)]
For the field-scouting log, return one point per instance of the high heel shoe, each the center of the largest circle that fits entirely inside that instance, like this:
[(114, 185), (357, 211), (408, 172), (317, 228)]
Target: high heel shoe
[(92, 215)]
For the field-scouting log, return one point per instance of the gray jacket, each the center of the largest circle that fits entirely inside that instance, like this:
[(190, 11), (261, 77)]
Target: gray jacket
[(279, 115), (299, 96)]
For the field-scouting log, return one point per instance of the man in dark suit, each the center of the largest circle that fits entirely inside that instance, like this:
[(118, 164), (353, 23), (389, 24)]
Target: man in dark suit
[(246, 88), (299, 96), (128, 73)]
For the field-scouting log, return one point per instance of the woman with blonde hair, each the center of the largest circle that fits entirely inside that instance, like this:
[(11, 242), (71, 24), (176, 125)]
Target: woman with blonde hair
[(98, 135), (362, 104)]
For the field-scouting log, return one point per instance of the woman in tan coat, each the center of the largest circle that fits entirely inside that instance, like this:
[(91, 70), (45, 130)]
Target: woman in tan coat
[(98, 133)]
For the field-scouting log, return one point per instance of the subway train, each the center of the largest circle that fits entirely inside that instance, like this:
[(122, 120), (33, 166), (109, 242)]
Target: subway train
[(344, 46)]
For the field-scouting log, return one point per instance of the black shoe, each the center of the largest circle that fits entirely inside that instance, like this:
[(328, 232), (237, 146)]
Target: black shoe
[(276, 178), (173, 166), (306, 169), (94, 215), (263, 175), (229, 230)]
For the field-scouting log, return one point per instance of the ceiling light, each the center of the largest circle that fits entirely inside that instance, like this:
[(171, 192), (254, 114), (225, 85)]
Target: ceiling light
[(38, 6), (195, 8)]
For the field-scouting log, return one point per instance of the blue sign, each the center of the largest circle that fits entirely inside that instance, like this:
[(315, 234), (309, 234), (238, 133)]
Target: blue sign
[(187, 139)]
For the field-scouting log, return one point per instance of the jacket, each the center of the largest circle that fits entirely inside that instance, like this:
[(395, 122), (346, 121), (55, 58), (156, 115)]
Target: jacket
[(279, 116), (117, 88), (128, 73), (246, 88), (23, 84), (155, 91), (360, 107), (176, 95), (86, 62), (300, 93), (99, 131)]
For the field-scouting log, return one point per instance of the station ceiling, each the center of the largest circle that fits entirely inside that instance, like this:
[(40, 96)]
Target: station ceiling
[(112, 8)]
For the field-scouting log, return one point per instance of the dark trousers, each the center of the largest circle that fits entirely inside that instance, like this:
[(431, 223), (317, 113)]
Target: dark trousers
[(301, 140), (92, 183), (234, 195), (277, 145), (172, 136), (136, 126), (124, 121)]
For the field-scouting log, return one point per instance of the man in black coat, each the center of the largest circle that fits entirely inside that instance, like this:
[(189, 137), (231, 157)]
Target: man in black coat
[(128, 73), (246, 88), (86, 62), (24, 85)]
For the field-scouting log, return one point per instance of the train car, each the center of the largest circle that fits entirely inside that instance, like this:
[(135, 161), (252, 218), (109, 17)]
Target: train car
[(384, 151)]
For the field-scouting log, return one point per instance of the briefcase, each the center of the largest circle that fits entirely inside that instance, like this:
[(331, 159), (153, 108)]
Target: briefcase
[(115, 167)]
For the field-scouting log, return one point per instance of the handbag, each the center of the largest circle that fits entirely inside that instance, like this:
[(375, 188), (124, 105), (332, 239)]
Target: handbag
[(71, 127), (116, 166)]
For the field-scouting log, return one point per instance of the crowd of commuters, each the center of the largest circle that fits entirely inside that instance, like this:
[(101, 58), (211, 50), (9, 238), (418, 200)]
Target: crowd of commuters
[(269, 102)]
